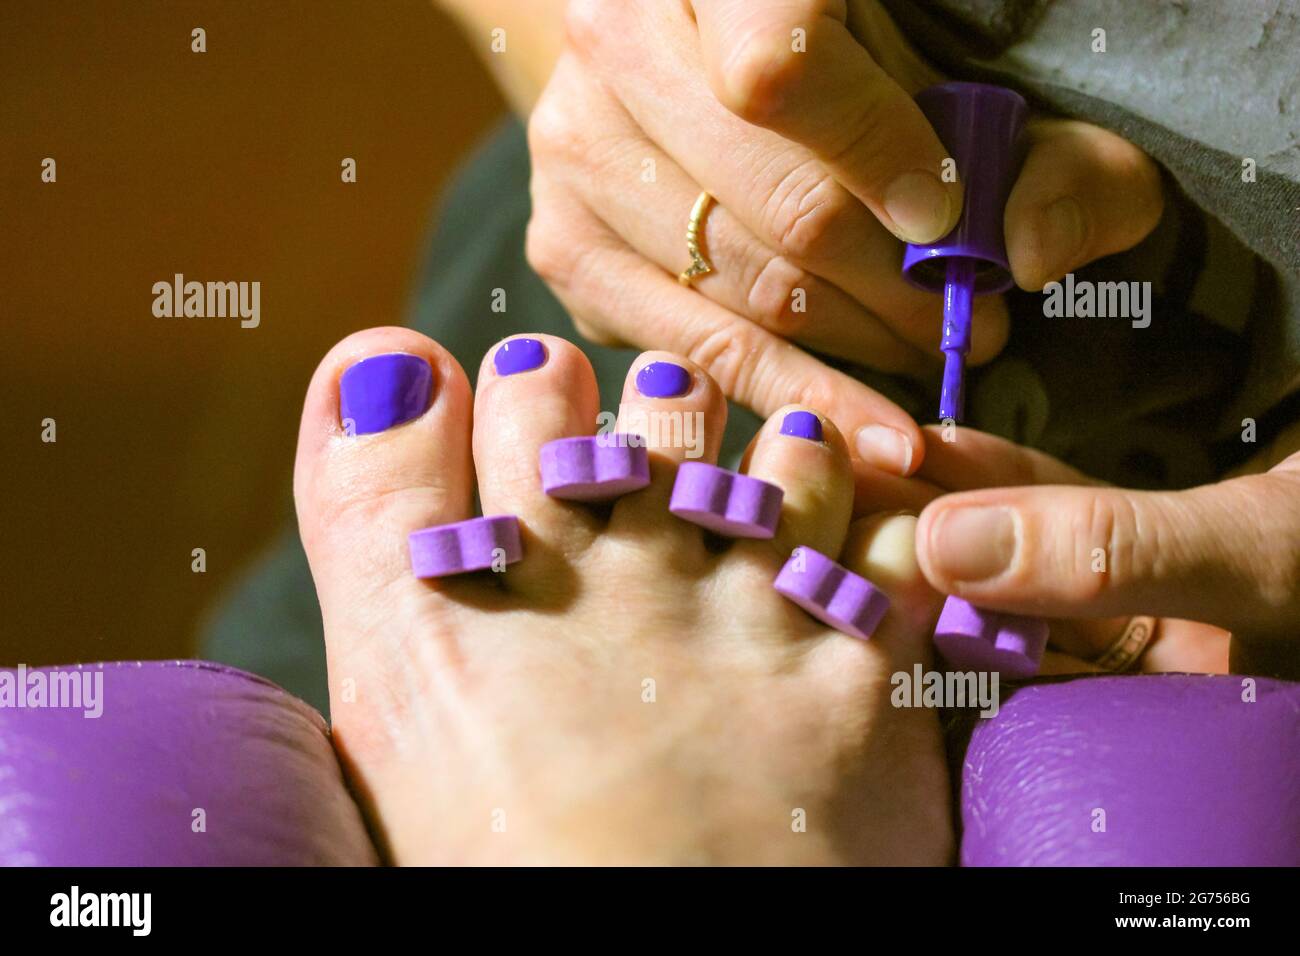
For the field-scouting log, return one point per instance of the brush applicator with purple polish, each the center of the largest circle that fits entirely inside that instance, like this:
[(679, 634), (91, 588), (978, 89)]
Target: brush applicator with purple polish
[(980, 126)]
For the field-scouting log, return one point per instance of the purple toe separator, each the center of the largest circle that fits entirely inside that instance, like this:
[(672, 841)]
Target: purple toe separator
[(973, 639), (472, 545), (594, 467), (727, 503), (831, 593)]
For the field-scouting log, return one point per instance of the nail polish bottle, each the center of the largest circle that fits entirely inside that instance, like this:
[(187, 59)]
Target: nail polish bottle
[(981, 127)]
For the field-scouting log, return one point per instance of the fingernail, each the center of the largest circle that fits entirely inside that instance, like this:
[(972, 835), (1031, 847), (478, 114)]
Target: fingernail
[(519, 355), (384, 390), (802, 425), (1060, 237), (973, 544), (919, 205), (885, 448), (663, 380)]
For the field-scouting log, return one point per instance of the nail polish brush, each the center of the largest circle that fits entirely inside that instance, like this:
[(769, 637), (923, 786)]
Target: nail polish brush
[(980, 125)]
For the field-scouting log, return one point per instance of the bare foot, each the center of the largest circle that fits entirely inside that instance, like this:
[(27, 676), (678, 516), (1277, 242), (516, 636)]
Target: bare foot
[(628, 692)]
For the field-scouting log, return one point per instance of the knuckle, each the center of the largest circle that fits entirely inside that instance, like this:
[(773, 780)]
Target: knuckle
[(760, 72), (552, 133), (803, 213), (587, 22), (729, 354), (773, 294), (1110, 522), (546, 254)]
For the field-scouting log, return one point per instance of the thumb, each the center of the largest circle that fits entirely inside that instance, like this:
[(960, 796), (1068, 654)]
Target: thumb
[(1225, 554), (795, 68)]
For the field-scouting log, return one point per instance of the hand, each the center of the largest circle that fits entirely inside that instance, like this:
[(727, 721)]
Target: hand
[(1226, 555), (817, 161)]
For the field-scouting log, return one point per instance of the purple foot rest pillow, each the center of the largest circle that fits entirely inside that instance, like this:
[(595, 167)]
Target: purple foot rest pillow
[(191, 763)]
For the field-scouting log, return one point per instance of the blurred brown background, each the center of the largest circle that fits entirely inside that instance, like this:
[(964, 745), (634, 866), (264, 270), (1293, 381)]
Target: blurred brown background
[(175, 434)]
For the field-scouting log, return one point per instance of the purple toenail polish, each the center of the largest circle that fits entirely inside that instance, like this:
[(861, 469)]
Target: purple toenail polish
[(519, 355), (802, 425), (973, 639), (384, 390), (594, 467), (833, 594), (736, 506), (663, 380), (473, 545)]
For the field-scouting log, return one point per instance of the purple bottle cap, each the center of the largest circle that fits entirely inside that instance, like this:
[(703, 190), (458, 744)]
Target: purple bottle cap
[(594, 467), (831, 593), (980, 126), (472, 545), (726, 503), (972, 639)]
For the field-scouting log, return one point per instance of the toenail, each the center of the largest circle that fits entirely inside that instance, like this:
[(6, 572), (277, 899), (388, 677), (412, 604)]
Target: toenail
[(832, 593), (519, 355), (970, 638), (663, 380), (802, 425), (384, 390)]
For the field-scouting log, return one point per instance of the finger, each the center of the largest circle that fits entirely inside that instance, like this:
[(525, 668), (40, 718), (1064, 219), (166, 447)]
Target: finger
[(610, 286), (963, 459), (1225, 554), (650, 214), (779, 190), (1083, 193), (821, 87), (1174, 646)]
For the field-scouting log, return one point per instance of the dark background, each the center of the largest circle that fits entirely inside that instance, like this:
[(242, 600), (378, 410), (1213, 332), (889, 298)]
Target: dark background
[(175, 434)]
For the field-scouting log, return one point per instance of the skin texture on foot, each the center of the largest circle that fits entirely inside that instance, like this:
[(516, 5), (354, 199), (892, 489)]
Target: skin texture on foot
[(633, 691)]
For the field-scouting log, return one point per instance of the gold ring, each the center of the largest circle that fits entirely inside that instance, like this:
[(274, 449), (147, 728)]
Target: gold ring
[(700, 265), (1129, 646)]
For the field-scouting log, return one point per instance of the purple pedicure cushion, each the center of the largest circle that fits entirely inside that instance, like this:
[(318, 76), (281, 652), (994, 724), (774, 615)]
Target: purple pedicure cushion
[(384, 390), (972, 639), (594, 467), (726, 503), (980, 126), (831, 593), (188, 764), (465, 546), (1159, 770)]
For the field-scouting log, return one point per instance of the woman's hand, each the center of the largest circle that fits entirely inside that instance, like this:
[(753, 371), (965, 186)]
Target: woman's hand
[(798, 118), (1039, 538)]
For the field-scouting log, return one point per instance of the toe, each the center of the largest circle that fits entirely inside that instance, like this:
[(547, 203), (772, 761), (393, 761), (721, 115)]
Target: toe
[(803, 453), (383, 450), (679, 413), (532, 390), (882, 549)]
